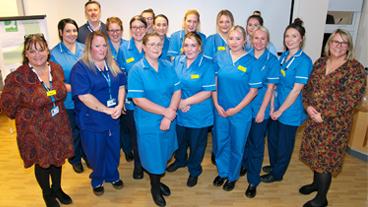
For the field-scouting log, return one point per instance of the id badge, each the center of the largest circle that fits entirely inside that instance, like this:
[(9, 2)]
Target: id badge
[(111, 102), (51, 93), (54, 111)]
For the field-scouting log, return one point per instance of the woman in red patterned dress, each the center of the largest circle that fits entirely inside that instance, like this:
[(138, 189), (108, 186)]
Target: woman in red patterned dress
[(336, 86), (33, 95)]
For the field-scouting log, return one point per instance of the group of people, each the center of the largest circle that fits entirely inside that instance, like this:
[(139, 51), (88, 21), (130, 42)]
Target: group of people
[(156, 97)]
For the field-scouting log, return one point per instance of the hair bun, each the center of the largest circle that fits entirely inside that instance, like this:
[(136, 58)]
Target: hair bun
[(298, 21), (257, 12)]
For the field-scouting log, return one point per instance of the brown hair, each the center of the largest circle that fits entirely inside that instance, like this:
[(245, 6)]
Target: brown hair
[(189, 12), (195, 36), (115, 20), (148, 35), (227, 13), (37, 41), (345, 35), (87, 56), (92, 2), (297, 25)]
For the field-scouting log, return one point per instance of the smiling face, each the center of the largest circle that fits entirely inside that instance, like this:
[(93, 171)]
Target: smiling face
[(293, 40), (224, 24), (191, 23), (69, 34), (259, 40), (148, 16), (153, 47), (37, 54), (137, 30), (191, 48), (115, 32), (92, 12), (339, 46), (252, 24), (161, 26), (98, 48), (236, 40)]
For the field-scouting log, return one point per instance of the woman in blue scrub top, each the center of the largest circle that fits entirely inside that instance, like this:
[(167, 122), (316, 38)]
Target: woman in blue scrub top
[(190, 24), (237, 83), (98, 88), (253, 22), (155, 89), (269, 66), (66, 54), (288, 112), (131, 53), (195, 115), (114, 27), (218, 42), (161, 25)]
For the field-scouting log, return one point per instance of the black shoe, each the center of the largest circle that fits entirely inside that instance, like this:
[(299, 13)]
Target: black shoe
[(173, 167), (87, 163), (268, 178), (50, 201), (98, 191), (307, 189), (138, 173), (77, 167), (62, 197), (218, 181), (314, 203), (243, 171), (213, 159), (267, 169), (158, 198), (229, 186), (165, 190), (129, 156), (192, 181), (118, 184), (251, 191)]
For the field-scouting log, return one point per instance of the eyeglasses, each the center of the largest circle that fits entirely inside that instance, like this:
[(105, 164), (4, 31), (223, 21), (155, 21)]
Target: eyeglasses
[(29, 36), (138, 27), (154, 44), (338, 43), (114, 30)]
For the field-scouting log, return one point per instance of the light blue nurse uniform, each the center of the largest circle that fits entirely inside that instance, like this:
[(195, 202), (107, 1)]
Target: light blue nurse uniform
[(154, 145), (234, 80), (214, 43), (176, 43)]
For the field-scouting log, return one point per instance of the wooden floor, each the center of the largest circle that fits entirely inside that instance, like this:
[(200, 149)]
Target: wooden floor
[(18, 187)]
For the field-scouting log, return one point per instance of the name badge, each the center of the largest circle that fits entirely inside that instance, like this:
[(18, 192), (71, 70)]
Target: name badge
[(129, 60), (194, 76), (283, 73), (51, 93), (111, 102), (221, 48), (242, 68), (54, 111)]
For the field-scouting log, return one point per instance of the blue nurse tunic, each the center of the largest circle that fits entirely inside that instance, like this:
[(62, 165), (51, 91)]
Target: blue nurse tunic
[(234, 80), (154, 145), (214, 43), (176, 43)]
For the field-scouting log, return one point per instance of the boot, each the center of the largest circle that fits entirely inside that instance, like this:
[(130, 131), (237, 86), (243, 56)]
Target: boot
[(310, 188), (43, 178), (324, 182), (55, 173), (156, 190)]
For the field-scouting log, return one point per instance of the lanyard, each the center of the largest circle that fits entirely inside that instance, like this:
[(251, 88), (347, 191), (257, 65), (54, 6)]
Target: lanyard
[(105, 74), (266, 62), (288, 65), (44, 85), (90, 28)]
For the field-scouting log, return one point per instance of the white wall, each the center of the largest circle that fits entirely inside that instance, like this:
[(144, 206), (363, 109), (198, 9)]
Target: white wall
[(275, 13), (313, 13), (361, 45)]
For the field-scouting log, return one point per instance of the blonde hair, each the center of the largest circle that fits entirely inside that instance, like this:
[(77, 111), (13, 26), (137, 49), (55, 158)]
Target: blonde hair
[(115, 20), (345, 35), (194, 12), (263, 29), (87, 56)]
